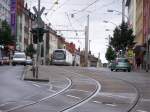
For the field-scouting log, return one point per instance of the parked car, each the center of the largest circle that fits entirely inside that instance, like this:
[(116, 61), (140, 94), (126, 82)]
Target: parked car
[(19, 58), (112, 65), (1, 61), (121, 64), (6, 61), (29, 61)]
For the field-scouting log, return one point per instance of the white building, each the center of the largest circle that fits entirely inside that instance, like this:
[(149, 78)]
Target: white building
[(131, 4), (50, 43), (5, 10)]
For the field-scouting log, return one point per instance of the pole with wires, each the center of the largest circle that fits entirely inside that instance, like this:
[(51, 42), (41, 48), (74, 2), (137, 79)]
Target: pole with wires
[(123, 11), (86, 41)]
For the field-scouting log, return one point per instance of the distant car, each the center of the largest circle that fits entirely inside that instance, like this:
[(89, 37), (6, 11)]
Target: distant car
[(19, 58), (1, 61), (6, 61), (121, 64), (29, 61), (112, 65)]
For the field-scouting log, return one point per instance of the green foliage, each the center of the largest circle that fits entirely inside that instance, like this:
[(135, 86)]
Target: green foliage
[(30, 51), (5, 33), (122, 37), (110, 54)]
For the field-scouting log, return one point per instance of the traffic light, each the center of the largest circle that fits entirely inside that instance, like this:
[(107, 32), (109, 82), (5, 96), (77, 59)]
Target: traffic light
[(41, 33), (38, 34)]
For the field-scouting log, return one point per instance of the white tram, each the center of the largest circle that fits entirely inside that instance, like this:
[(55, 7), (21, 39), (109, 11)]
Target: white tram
[(62, 57)]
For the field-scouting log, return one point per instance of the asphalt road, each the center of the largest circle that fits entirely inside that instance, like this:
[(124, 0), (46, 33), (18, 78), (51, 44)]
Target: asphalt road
[(81, 90)]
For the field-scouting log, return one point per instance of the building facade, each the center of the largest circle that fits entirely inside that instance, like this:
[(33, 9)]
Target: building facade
[(139, 38), (146, 31), (131, 4), (141, 29), (16, 11), (28, 20), (5, 10)]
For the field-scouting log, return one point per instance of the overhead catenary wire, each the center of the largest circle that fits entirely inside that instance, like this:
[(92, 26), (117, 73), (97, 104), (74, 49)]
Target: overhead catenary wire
[(82, 10)]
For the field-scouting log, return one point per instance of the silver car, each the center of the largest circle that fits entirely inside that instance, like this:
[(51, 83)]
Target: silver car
[(19, 58)]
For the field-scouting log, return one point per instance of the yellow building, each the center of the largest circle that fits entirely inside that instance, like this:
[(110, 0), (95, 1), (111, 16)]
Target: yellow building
[(139, 39)]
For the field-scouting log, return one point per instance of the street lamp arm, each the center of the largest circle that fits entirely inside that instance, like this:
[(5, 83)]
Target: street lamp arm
[(110, 22), (109, 10)]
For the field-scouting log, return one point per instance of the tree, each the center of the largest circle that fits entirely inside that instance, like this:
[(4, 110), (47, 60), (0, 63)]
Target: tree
[(110, 54), (5, 33), (30, 51), (122, 37)]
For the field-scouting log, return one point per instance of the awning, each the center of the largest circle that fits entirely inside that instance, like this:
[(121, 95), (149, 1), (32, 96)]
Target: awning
[(139, 49)]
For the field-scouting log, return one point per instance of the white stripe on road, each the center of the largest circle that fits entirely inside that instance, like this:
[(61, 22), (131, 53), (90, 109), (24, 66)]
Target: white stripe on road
[(73, 96), (145, 100), (36, 85), (80, 90), (141, 111), (97, 102), (115, 95), (113, 105)]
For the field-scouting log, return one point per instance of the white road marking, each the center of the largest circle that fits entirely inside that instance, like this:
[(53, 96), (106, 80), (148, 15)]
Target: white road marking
[(145, 100), (97, 102), (80, 90), (1, 105), (141, 111), (36, 85), (115, 95), (111, 105), (73, 96)]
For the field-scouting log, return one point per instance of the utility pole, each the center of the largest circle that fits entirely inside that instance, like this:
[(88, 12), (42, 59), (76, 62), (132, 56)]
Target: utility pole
[(86, 41), (123, 11), (38, 43)]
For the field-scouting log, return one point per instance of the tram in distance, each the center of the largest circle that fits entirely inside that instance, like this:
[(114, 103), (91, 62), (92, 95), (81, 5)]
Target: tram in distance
[(63, 57)]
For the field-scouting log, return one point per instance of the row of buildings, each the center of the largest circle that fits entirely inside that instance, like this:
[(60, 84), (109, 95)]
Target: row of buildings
[(138, 18), (22, 20)]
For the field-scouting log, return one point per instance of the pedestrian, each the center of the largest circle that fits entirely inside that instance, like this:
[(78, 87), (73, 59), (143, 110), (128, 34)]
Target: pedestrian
[(138, 62)]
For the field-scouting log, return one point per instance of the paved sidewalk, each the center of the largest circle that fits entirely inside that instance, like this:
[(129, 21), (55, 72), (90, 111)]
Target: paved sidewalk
[(42, 76)]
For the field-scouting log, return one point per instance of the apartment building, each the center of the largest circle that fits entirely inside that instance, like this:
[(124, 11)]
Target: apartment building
[(131, 4), (5, 10)]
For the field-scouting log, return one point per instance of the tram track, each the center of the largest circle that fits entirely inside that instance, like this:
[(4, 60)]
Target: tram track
[(77, 102), (92, 94), (41, 100), (131, 106)]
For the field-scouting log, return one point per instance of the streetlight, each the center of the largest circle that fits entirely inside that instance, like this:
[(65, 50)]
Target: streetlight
[(110, 22), (123, 15), (108, 29)]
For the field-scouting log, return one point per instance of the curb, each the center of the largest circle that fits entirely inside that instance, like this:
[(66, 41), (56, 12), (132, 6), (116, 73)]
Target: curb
[(38, 80)]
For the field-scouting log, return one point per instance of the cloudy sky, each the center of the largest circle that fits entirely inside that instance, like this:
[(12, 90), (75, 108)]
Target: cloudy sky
[(59, 17)]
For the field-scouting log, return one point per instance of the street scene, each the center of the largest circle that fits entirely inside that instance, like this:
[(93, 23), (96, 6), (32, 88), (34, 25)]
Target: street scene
[(73, 56)]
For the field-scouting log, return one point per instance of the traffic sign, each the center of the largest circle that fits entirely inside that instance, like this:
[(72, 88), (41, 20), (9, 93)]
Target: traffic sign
[(39, 19)]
